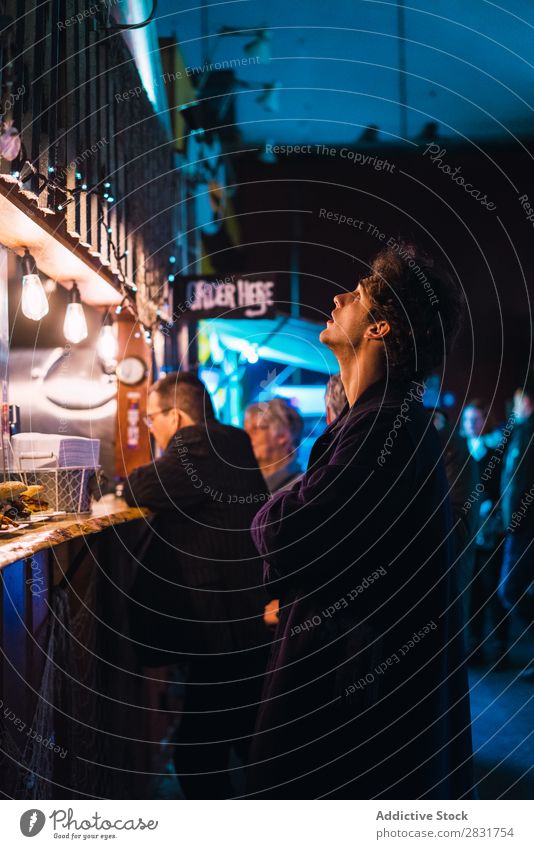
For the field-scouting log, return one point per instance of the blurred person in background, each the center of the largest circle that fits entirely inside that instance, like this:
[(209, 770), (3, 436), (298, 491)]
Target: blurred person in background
[(516, 588), (483, 440), (275, 430), (335, 398), (198, 598), (462, 476)]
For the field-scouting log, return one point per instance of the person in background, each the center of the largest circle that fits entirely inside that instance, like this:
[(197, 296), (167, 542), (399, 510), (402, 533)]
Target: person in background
[(462, 476), (197, 598), (335, 398), (516, 587), (482, 439), (366, 692), (275, 429)]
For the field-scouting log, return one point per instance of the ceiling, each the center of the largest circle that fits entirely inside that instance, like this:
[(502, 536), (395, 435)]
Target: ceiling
[(337, 64)]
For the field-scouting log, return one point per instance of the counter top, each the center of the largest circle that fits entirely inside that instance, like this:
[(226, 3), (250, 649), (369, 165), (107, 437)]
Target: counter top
[(105, 513)]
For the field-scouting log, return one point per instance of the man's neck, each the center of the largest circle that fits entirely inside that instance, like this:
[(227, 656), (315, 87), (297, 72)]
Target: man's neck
[(358, 374)]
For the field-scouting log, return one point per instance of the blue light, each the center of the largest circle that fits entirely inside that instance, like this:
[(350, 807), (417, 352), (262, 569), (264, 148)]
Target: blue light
[(110, 230), (15, 174), (448, 399), (172, 259), (185, 106), (216, 350), (171, 278), (251, 353), (84, 187), (118, 310), (50, 169), (78, 175), (106, 194), (107, 185), (110, 199)]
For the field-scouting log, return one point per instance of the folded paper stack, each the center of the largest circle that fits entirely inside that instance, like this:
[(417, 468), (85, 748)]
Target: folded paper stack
[(54, 451)]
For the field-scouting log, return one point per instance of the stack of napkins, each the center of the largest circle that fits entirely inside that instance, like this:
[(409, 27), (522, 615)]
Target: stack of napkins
[(54, 451)]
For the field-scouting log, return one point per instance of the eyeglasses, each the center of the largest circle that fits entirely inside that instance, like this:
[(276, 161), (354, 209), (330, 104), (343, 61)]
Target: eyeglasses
[(149, 419)]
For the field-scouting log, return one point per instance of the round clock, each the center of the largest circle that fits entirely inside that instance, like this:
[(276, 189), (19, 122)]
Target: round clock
[(131, 371)]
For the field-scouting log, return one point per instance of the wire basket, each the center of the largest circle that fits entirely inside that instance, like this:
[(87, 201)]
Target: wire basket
[(64, 489)]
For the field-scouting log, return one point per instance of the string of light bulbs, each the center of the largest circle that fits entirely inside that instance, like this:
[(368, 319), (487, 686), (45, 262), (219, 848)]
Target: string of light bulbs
[(34, 300), (34, 305)]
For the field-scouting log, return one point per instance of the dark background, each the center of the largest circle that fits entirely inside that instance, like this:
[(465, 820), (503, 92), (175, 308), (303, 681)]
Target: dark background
[(489, 252)]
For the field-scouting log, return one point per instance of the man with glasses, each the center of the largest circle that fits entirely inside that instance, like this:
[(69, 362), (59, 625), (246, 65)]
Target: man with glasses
[(198, 596)]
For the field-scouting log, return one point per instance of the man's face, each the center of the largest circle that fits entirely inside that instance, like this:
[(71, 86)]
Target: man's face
[(350, 319), (162, 420), (270, 441), (473, 421)]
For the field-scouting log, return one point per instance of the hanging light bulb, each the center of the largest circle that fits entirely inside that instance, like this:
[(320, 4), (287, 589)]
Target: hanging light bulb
[(34, 302), (75, 325), (107, 346)]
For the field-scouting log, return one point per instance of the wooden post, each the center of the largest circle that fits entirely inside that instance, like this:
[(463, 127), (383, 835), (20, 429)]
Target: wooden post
[(127, 454)]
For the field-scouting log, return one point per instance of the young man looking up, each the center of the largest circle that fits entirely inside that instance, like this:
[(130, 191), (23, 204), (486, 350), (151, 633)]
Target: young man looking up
[(366, 690)]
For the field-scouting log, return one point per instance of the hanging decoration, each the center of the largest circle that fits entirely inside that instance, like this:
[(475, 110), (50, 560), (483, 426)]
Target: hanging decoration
[(10, 142)]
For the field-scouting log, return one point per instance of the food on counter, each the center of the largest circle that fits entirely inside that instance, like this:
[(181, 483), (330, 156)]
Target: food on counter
[(11, 489), (32, 499), (11, 504), (6, 522), (15, 509)]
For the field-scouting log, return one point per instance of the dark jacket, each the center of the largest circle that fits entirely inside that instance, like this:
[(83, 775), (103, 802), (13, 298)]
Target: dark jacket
[(366, 690), (517, 480), (199, 585)]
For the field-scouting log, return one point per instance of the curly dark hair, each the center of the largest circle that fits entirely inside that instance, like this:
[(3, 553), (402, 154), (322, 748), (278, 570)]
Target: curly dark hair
[(420, 302)]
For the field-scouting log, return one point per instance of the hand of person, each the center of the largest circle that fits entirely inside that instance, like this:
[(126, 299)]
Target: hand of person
[(271, 613)]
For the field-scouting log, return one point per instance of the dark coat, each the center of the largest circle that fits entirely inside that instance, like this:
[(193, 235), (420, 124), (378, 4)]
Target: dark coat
[(366, 690), (199, 587)]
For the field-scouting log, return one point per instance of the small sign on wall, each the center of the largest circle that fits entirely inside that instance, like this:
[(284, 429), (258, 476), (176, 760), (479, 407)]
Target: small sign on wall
[(232, 296)]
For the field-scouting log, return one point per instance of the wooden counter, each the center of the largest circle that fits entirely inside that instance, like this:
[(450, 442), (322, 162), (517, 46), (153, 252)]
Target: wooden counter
[(69, 675), (105, 513)]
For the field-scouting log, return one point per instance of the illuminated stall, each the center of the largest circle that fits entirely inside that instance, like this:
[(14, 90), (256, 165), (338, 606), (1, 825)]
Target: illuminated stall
[(248, 351), (86, 196)]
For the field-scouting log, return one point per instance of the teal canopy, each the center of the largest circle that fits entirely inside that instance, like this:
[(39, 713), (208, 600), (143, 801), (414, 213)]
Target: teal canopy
[(292, 341)]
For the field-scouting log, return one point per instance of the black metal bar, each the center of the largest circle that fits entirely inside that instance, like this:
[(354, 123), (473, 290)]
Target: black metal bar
[(54, 94), (36, 100)]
